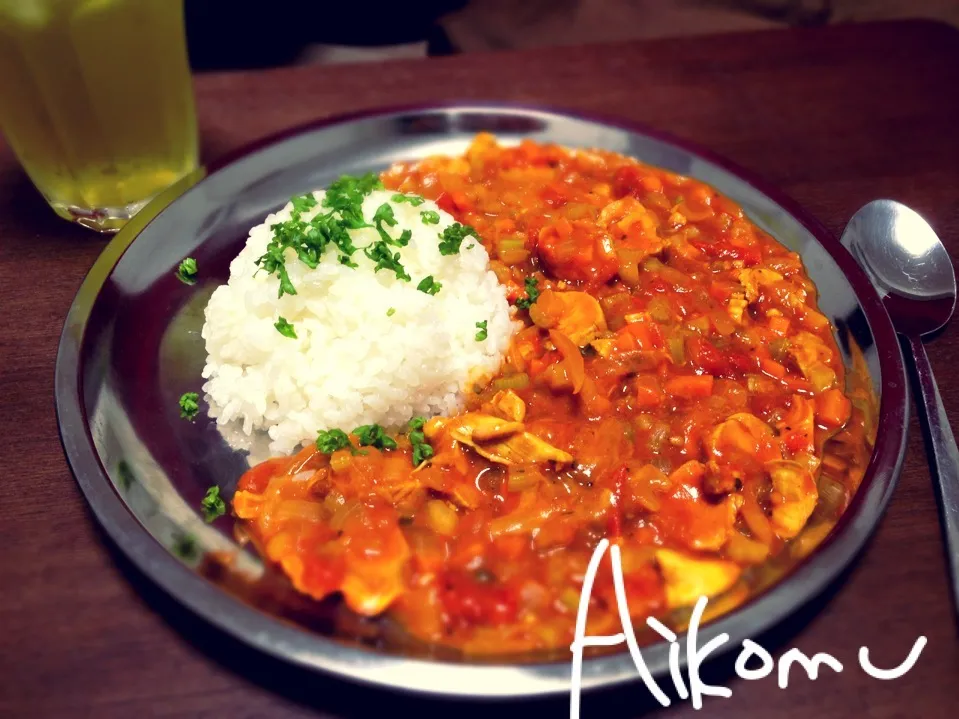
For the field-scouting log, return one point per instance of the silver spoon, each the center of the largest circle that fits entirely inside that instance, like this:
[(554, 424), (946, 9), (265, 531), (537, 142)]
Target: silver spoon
[(911, 269)]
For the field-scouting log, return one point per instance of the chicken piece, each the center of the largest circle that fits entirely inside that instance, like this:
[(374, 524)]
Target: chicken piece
[(689, 578), (603, 346), (688, 516), (446, 453), (397, 492), (743, 433), (812, 355), (753, 279), (365, 560), (635, 232), (371, 594), (617, 210), (797, 430), (503, 441), (689, 473), (282, 548), (522, 448), (629, 217), (374, 554), (646, 485), (247, 505), (577, 315), (434, 426), (715, 523), (370, 586), (577, 251), (474, 427), (509, 405), (794, 496), (740, 441), (736, 307), (391, 479), (808, 349), (720, 479), (466, 496)]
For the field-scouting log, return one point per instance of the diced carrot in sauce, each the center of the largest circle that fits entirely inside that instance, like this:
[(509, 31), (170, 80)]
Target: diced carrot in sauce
[(646, 335), (772, 368), (690, 387), (648, 392), (779, 325), (833, 408)]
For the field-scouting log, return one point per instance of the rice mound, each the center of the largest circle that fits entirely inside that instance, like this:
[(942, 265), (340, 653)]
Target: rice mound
[(352, 363)]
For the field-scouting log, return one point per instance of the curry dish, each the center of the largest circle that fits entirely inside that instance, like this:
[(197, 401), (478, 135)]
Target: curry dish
[(674, 388)]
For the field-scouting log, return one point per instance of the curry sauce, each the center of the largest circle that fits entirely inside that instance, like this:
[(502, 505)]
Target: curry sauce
[(674, 389)]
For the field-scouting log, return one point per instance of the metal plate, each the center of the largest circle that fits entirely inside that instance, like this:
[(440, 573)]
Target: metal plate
[(131, 346)]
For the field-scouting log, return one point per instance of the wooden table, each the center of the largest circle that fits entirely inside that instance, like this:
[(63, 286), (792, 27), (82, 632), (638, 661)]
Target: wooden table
[(836, 117)]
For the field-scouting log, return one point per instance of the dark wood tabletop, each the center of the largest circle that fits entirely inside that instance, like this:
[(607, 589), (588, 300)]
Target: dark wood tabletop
[(836, 117)]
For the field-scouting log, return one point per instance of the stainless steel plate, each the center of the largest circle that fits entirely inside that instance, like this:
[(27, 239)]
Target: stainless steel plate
[(131, 346)]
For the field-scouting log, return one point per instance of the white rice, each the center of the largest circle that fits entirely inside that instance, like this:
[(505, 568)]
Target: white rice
[(351, 363)]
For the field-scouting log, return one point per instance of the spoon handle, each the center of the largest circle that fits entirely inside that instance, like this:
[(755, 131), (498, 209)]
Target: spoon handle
[(945, 457)]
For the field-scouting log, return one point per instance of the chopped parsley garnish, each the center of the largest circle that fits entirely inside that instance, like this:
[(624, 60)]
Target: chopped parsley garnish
[(386, 259), (285, 328), (380, 252), (189, 405), (309, 239), (372, 435), (391, 311), (125, 474), (430, 217), (532, 294), (429, 285), (470, 246), (422, 450), (482, 334), (452, 237), (302, 203), (330, 440), (384, 213), (185, 546), (186, 272), (212, 504), (346, 195), (274, 261), (414, 200)]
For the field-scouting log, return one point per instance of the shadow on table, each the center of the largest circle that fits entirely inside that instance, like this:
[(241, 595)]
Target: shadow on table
[(22, 203), (336, 697)]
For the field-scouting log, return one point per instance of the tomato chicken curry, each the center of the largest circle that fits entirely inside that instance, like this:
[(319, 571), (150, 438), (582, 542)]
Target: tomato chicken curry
[(674, 389)]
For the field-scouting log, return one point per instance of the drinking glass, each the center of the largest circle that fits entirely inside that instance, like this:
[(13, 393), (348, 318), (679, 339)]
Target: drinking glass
[(96, 102)]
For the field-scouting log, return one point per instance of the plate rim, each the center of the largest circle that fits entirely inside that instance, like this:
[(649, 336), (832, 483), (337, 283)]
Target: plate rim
[(281, 639)]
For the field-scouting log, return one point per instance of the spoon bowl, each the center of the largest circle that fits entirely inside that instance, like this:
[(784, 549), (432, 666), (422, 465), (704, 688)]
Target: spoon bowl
[(908, 264), (911, 269)]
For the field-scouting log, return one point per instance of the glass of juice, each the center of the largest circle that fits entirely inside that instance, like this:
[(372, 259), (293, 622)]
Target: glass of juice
[(96, 101)]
